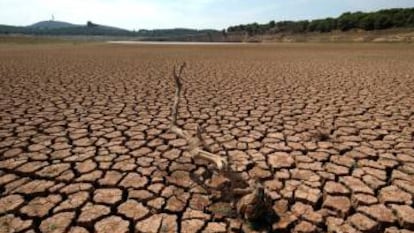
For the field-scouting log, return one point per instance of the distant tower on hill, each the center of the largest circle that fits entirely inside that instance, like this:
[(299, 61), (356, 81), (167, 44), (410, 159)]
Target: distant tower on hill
[(53, 17)]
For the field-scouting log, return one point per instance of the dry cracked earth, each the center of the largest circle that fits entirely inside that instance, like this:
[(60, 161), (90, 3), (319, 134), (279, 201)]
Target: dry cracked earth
[(85, 145)]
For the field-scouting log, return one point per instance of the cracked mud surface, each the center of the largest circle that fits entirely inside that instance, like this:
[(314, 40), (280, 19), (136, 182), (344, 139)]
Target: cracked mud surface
[(85, 147)]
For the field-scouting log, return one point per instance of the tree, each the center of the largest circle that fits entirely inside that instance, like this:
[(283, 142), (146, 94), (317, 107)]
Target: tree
[(410, 21), (252, 29), (300, 26), (398, 19), (347, 21), (382, 22), (224, 32), (367, 23), (322, 25), (90, 24)]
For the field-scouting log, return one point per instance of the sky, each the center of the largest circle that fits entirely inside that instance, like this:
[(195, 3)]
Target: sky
[(199, 14)]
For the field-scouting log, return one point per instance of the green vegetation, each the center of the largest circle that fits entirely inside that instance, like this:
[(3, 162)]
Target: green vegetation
[(383, 19), (92, 29), (76, 30), (52, 24)]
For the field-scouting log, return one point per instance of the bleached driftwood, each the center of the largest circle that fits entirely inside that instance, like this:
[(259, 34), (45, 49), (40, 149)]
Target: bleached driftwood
[(254, 203), (196, 144)]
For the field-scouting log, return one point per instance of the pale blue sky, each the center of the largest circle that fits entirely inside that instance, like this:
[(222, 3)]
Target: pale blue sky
[(149, 14)]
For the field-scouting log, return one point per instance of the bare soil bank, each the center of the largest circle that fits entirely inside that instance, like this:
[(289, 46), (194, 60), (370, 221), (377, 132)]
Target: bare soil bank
[(389, 35)]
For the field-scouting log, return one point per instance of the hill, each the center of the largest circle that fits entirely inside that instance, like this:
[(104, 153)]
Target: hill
[(57, 28), (379, 20), (52, 24), (395, 24)]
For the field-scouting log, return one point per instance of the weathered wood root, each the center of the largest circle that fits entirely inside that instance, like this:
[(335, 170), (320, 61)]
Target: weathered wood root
[(195, 143)]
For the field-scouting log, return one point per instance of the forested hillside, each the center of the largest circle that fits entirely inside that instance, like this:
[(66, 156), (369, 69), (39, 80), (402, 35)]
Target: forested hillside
[(383, 19), (368, 23), (93, 29)]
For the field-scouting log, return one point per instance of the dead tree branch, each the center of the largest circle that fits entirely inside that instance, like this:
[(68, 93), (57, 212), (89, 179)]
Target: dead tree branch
[(255, 203), (195, 143)]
